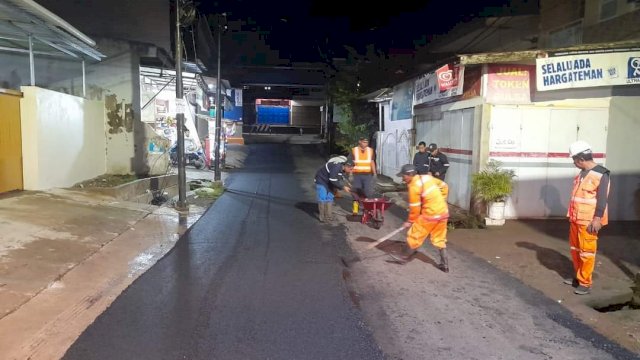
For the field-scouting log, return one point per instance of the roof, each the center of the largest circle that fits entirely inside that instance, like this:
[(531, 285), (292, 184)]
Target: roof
[(51, 35), (380, 95), (514, 57), (485, 58)]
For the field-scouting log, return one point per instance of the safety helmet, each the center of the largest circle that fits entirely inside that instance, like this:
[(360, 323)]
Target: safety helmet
[(579, 147), (338, 159), (407, 169)]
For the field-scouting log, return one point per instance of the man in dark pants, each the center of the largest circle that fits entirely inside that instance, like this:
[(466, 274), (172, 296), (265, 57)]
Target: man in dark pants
[(364, 170), (439, 164), (421, 159)]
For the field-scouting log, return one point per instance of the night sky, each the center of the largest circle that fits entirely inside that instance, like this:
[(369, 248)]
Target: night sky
[(298, 29)]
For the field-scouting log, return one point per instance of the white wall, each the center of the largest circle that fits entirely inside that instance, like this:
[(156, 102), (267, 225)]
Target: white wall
[(63, 139), (622, 158), (534, 142), (400, 125), (393, 145)]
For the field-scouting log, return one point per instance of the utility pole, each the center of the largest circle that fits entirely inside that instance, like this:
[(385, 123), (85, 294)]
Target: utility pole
[(216, 168), (182, 176)]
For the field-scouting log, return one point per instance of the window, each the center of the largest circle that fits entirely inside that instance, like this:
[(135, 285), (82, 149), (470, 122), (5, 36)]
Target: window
[(608, 9)]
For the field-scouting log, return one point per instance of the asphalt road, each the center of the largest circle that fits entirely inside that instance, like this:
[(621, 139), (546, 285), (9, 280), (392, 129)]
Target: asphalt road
[(256, 277), (259, 278)]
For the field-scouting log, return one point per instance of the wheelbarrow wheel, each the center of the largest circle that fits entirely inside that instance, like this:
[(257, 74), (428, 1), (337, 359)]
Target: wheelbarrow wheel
[(377, 219)]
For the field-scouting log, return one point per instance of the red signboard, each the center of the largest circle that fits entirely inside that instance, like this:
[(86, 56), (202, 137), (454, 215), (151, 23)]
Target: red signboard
[(472, 81), (509, 84), (448, 77)]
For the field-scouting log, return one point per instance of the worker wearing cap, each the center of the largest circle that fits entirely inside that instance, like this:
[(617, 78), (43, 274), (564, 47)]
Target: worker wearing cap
[(329, 177), (438, 162), (365, 167), (428, 213), (587, 214), (338, 159)]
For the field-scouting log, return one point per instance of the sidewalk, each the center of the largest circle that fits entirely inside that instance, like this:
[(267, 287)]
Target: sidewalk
[(536, 252), (65, 256)]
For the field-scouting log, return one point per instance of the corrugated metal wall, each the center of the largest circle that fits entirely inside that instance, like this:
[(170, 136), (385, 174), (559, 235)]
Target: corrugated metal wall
[(306, 116), (453, 132), (273, 115), (10, 143)]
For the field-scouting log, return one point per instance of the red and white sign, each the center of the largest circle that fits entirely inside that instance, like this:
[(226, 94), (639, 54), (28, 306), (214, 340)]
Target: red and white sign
[(429, 87), (509, 84), (448, 77)]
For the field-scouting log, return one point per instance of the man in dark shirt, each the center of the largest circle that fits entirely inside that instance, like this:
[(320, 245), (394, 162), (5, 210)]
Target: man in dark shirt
[(328, 178), (438, 162), (421, 159)]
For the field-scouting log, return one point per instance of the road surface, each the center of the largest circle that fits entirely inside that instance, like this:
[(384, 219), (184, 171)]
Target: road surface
[(259, 278)]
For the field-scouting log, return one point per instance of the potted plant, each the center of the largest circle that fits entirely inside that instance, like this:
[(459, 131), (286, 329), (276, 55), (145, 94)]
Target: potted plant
[(492, 186)]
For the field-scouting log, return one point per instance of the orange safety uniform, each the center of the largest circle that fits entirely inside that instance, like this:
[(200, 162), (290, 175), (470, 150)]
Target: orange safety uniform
[(363, 160), (582, 208), (428, 211)]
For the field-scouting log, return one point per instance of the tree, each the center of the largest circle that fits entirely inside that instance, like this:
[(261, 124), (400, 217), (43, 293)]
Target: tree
[(356, 115)]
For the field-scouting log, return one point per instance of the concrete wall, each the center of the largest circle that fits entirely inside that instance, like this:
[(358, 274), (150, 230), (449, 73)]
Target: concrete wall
[(555, 14), (625, 26), (63, 139), (115, 80), (622, 160)]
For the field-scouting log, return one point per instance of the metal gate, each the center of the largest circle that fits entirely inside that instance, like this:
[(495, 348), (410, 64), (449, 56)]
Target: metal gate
[(393, 151), (10, 142), (453, 132), (534, 141)]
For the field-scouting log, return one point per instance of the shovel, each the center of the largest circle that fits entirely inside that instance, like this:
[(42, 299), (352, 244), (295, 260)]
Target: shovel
[(348, 262)]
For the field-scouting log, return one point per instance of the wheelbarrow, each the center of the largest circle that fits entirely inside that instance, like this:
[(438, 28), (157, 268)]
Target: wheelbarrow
[(373, 210)]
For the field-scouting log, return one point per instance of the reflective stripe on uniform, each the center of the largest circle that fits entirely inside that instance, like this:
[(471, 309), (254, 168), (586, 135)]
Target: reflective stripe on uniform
[(429, 190), (585, 201)]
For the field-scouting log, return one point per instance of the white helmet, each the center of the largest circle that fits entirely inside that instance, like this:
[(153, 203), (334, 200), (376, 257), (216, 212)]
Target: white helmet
[(579, 147), (338, 159)]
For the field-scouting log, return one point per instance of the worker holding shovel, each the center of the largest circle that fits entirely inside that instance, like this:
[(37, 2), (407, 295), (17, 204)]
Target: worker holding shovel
[(428, 214)]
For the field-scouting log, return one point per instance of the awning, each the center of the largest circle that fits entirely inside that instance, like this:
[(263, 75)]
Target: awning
[(27, 27), (380, 95)]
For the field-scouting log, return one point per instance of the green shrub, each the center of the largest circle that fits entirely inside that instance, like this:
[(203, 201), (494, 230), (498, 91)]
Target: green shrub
[(492, 184)]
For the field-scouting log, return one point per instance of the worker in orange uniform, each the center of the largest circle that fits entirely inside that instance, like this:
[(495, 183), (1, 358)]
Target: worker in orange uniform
[(365, 168), (587, 214), (428, 213)]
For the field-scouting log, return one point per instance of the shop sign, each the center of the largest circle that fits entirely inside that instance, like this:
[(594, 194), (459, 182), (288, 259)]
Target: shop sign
[(588, 70)]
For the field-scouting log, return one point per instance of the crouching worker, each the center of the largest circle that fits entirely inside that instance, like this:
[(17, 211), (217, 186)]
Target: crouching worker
[(338, 159), (330, 177), (428, 213)]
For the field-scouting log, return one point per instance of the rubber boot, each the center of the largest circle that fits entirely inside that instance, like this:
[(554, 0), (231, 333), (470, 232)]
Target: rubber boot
[(444, 260), (322, 213), (406, 254), (328, 211)]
